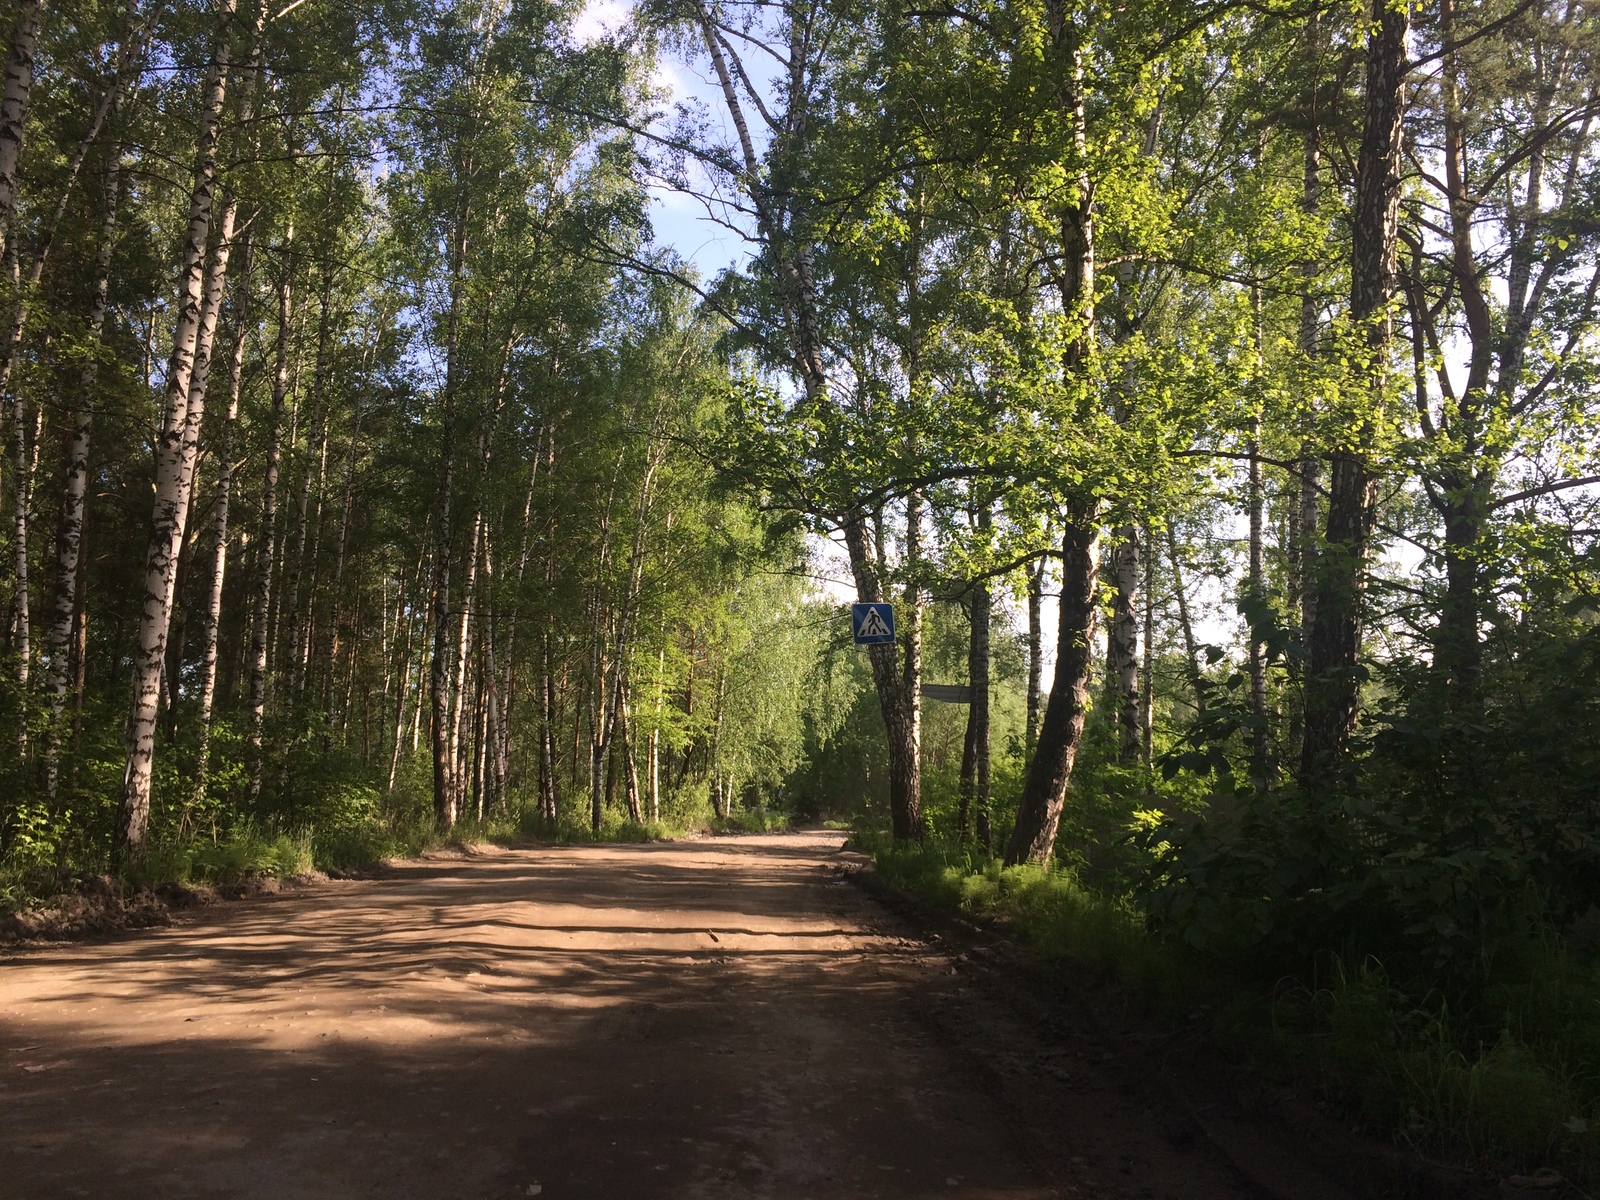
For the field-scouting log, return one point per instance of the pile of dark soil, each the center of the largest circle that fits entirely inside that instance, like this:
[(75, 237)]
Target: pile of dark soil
[(94, 905)]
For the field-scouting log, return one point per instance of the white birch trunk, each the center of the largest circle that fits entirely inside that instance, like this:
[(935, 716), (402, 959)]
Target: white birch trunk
[(459, 664), (267, 542), (195, 323), (444, 797), (69, 536), (400, 699), (110, 103), (219, 548), (18, 89)]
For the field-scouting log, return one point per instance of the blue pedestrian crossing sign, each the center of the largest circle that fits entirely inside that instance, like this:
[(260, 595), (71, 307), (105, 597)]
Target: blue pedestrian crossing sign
[(872, 624)]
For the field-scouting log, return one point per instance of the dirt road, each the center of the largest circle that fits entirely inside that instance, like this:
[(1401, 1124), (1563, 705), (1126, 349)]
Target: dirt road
[(721, 1018)]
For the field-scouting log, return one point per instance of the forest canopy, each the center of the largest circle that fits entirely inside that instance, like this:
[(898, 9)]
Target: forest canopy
[(1209, 387)]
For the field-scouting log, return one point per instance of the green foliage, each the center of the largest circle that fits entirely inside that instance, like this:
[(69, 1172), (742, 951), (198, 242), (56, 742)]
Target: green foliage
[(515, 439), (753, 820), (1500, 1084), (1044, 907), (244, 852)]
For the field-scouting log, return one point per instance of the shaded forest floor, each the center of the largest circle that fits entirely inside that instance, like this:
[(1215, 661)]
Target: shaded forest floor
[(721, 1017)]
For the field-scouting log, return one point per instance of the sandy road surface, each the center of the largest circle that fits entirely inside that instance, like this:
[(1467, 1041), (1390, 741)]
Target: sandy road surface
[(722, 1018)]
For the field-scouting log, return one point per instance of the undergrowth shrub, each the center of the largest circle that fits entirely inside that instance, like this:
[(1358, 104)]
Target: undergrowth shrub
[(1503, 1081), (1043, 906), (753, 820)]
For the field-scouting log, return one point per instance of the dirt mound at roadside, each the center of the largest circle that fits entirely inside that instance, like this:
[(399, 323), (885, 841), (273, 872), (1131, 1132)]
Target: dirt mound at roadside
[(99, 904)]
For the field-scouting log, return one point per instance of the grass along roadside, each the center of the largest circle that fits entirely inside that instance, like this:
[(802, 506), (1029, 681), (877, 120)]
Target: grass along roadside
[(65, 894), (1505, 1081)]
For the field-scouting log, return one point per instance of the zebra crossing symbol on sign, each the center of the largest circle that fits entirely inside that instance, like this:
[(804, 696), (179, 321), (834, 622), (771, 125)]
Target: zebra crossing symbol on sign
[(872, 624)]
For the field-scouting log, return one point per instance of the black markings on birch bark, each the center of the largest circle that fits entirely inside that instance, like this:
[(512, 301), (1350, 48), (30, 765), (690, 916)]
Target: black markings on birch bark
[(14, 98), (220, 514), (444, 799), (266, 540), (69, 531), (18, 90), (194, 325)]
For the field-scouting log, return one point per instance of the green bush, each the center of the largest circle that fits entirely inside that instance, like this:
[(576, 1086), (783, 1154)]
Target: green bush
[(1506, 1083), (1044, 907), (752, 820)]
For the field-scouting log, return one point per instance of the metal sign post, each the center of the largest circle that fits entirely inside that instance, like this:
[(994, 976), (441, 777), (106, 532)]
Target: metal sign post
[(872, 624)]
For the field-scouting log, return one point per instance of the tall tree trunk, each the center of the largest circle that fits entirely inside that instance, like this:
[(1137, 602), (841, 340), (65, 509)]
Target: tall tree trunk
[(488, 666), (494, 743), (1304, 515), (18, 89), (900, 717), (1061, 729), (336, 584), (1035, 652), (400, 706), (1191, 651), (1050, 770), (1260, 744), (409, 611), (177, 622), (1465, 482), (300, 625), (291, 604), (460, 657), (308, 627), (547, 683), (1332, 672), (80, 636), (21, 504), (266, 543), (219, 537), (547, 733), (1122, 643), (199, 298), (1147, 695), (653, 783), (910, 760), (600, 726), (614, 689), (275, 656), (974, 806), (444, 796), (630, 769), (721, 794), (69, 534), (479, 718), (505, 681)]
